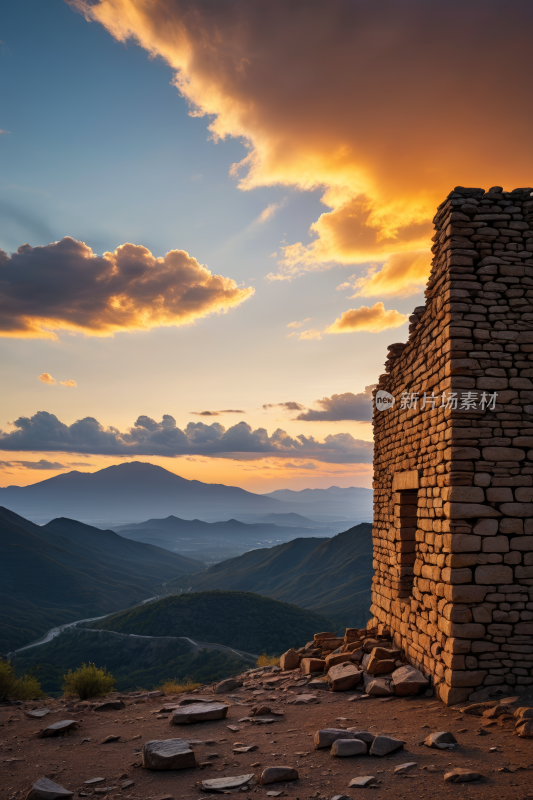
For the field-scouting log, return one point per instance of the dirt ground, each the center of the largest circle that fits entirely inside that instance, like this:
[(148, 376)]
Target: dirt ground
[(504, 760)]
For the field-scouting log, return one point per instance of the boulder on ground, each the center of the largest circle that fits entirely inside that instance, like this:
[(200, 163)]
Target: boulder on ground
[(318, 637), (342, 748), (309, 665), (441, 740), (58, 728), (459, 775), (168, 754), (326, 736), (344, 676), (524, 712), (364, 736), (228, 685), (408, 680), (290, 660), (199, 713), (110, 705), (45, 789), (383, 745), (278, 774)]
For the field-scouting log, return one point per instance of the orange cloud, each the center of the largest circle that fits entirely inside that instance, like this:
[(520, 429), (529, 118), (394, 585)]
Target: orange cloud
[(47, 378), (311, 334), (402, 274), (64, 285), (381, 106), (372, 319), (68, 383), (298, 324)]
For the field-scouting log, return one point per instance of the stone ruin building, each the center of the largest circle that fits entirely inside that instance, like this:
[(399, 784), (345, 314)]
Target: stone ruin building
[(453, 522)]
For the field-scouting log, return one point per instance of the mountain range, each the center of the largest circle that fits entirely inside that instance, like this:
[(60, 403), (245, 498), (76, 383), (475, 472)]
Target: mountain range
[(136, 491), (329, 576), (67, 570), (212, 542)]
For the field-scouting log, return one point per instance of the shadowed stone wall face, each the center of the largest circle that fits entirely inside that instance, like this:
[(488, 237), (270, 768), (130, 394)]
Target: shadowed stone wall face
[(453, 522)]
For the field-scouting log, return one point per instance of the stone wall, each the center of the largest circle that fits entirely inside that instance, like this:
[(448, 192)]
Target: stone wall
[(453, 527)]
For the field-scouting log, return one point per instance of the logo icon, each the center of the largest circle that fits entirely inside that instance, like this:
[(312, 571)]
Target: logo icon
[(384, 400)]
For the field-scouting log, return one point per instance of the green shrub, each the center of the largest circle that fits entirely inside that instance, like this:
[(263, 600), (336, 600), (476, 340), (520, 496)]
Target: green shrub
[(88, 681), (177, 686), (25, 687)]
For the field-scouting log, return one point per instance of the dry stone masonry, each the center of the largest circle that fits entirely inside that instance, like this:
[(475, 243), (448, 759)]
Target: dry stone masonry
[(453, 523)]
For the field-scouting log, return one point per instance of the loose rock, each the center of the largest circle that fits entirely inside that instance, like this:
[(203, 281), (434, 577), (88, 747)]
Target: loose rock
[(168, 754), (278, 774), (45, 789), (383, 745), (38, 713), (344, 676), (408, 680), (226, 784), (228, 685), (198, 713), (402, 768), (110, 705), (341, 748), (440, 740), (326, 736), (58, 728), (362, 782), (459, 775)]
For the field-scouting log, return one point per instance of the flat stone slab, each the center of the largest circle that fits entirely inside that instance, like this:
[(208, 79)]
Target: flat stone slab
[(111, 738), (199, 712), (383, 745), (58, 728), (249, 749), (45, 789), (303, 699), (362, 781), (402, 768), (110, 705), (408, 680), (94, 781), (278, 774), (168, 754), (38, 713), (226, 784), (459, 775)]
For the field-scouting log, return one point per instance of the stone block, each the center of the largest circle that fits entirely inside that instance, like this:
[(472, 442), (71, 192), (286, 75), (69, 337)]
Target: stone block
[(408, 680), (493, 573), (469, 511), (495, 544), (503, 454), (460, 678), (344, 676), (461, 543), (486, 527), (326, 736), (290, 660), (309, 665), (348, 747), (199, 712), (517, 509), (464, 593)]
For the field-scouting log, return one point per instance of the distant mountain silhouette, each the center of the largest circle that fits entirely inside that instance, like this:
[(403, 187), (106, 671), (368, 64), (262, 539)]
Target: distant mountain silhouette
[(66, 570), (354, 503), (215, 541), (131, 492), (328, 576)]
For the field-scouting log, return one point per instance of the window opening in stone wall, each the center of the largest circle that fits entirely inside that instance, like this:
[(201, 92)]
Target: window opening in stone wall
[(405, 523)]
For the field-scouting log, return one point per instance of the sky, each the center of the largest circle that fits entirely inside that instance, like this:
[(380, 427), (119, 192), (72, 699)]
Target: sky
[(216, 216)]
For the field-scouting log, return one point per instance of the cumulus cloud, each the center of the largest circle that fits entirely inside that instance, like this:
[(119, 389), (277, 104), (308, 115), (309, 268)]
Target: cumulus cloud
[(373, 319), (41, 464), (64, 285), (371, 121), (45, 377), (69, 383), (341, 407), (46, 433), (298, 324)]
